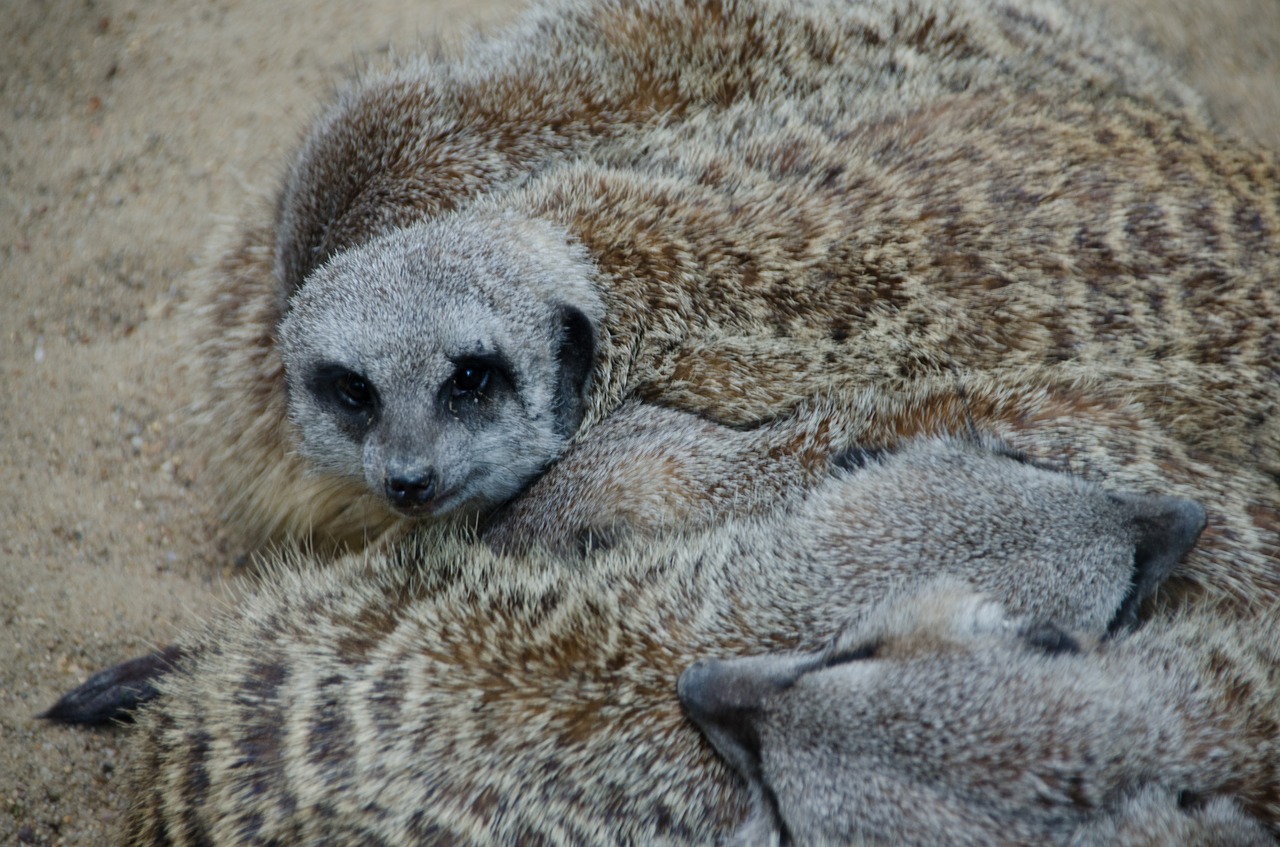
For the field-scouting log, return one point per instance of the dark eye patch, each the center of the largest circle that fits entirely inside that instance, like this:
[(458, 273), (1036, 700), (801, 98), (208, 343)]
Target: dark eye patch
[(343, 387), (346, 391), (354, 391), (476, 379), (856, 458), (470, 378)]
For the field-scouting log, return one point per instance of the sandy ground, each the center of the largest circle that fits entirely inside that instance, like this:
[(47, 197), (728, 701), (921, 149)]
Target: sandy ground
[(129, 130)]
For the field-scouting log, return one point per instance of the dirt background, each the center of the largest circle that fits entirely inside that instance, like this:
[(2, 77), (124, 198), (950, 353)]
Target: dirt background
[(129, 131)]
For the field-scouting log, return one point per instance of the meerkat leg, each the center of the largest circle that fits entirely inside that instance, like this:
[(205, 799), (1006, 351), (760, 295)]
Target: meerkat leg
[(648, 469)]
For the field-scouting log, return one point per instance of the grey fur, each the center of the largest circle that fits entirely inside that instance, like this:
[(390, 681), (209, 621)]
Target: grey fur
[(939, 719), (959, 161), (435, 692), (1153, 816)]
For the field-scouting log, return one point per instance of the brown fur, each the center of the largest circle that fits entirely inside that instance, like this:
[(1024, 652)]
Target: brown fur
[(916, 229), (760, 241), (433, 692)]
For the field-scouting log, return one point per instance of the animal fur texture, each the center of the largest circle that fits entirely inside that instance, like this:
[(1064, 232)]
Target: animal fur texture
[(757, 203), (1153, 817), (436, 693), (820, 227), (939, 719), (648, 471)]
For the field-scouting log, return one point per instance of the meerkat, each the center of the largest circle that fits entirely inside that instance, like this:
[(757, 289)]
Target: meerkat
[(434, 692), (731, 372), (650, 471), (734, 287), (427, 136), (646, 471), (479, 358), (746, 204), (939, 718)]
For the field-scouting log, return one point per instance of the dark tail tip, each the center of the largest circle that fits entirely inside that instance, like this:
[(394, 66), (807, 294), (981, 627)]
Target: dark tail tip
[(114, 694)]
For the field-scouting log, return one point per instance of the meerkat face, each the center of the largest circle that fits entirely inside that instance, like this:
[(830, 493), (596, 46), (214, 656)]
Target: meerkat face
[(444, 364), (1045, 542), (936, 720)]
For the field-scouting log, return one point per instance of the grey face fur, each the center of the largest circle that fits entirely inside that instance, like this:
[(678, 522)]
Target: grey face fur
[(446, 363), (1122, 545), (938, 719)]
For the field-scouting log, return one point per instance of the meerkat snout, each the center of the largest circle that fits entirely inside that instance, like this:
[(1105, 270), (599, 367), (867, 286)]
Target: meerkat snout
[(715, 689), (410, 493), (721, 697), (445, 364)]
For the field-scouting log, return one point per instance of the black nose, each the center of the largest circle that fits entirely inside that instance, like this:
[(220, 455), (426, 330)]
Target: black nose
[(410, 493)]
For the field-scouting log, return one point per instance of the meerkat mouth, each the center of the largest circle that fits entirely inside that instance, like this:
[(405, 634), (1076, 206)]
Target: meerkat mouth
[(435, 507), (421, 510), (440, 504)]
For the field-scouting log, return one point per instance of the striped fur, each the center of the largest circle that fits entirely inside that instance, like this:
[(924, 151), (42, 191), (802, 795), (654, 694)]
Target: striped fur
[(434, 692), (781, 200)]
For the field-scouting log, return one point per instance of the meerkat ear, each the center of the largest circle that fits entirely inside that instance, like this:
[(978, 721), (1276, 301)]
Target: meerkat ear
[(1167, 529), (724, 697), (576, 358), (720, 697)]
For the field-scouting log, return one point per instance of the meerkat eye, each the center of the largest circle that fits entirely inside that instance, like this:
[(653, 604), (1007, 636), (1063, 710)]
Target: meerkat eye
[(471, 377), (478, 381), (348, 396), (353, 391)]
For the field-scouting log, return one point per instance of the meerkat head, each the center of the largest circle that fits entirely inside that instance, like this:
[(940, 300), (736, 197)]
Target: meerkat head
[(936, 719), (1046, 542), (446, 363)]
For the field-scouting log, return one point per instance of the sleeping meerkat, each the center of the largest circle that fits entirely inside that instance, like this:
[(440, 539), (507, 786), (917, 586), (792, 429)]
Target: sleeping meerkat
[(938, 718), (436, 692), (747, 204), (649, 471)]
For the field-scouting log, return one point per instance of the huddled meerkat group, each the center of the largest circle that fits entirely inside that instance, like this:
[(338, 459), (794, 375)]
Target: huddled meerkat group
[(741, 328), (439, 693), (726, 209)]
